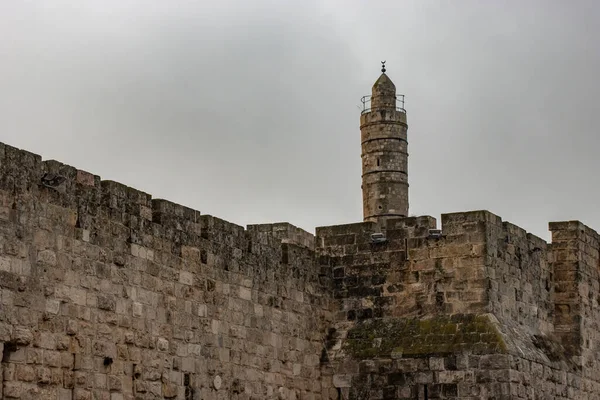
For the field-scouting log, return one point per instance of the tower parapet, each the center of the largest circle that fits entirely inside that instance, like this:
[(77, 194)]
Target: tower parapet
[(384, 153)]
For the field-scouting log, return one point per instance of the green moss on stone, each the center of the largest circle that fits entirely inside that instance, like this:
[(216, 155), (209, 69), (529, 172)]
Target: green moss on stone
[(414, 337)]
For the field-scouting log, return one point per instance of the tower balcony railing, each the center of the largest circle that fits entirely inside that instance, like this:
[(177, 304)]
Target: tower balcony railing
[(366, 103)]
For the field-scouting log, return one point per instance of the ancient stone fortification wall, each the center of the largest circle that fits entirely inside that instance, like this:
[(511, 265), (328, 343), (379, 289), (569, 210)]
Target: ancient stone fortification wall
[(574, 256), (466, 314), (106, 293)]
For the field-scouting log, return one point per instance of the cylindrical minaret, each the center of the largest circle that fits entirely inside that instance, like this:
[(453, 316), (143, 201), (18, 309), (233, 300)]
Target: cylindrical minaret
[(384, 153)]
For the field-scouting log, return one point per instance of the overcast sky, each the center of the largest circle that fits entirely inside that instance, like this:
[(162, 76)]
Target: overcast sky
[(249, 110)]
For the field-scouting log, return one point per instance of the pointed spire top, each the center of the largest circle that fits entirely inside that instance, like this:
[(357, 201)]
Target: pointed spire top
[(384, 83), (383, 67)]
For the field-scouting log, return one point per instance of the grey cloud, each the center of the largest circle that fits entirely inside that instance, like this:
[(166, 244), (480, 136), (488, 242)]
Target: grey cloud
[(249, 111)]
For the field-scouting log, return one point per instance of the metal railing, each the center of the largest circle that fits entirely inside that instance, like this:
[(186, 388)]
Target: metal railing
[(366, 103)]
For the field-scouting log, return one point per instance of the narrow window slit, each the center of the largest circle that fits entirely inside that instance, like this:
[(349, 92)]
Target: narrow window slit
[(189, 391)]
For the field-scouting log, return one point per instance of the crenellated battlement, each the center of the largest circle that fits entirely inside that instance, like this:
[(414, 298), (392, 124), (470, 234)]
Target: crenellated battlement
[(91, 197), (479, 285), (475, 263)]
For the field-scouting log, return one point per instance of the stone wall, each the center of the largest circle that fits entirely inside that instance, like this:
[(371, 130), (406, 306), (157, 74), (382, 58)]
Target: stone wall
[(409, 309), (465, 313), (519, 276), (413, 274), (107, 293), (576, 265)]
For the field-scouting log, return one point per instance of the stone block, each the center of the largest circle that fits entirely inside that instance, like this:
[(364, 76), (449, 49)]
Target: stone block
[(52, 306), (15, 354), (52, 358), (25, 373), (342, 381), (12, 390), (186, 278), (44, 375), (106, 302), (67, 360), (85, 178), (169, 390), (115, 383), (436, 364), (138, 309), (5, 264), (82, 394), (65, 394), (46, 257), (22, 336), (162, 344), (245, 293), (5, 332)]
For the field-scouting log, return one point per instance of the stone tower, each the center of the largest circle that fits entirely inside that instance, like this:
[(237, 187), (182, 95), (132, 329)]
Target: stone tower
[(384, 153)]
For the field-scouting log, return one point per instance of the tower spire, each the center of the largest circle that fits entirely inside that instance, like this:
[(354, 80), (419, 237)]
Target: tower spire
[(384, 153)]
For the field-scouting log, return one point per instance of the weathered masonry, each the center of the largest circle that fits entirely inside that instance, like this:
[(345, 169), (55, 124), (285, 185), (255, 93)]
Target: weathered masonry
[(107, 293), (384, 153)]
